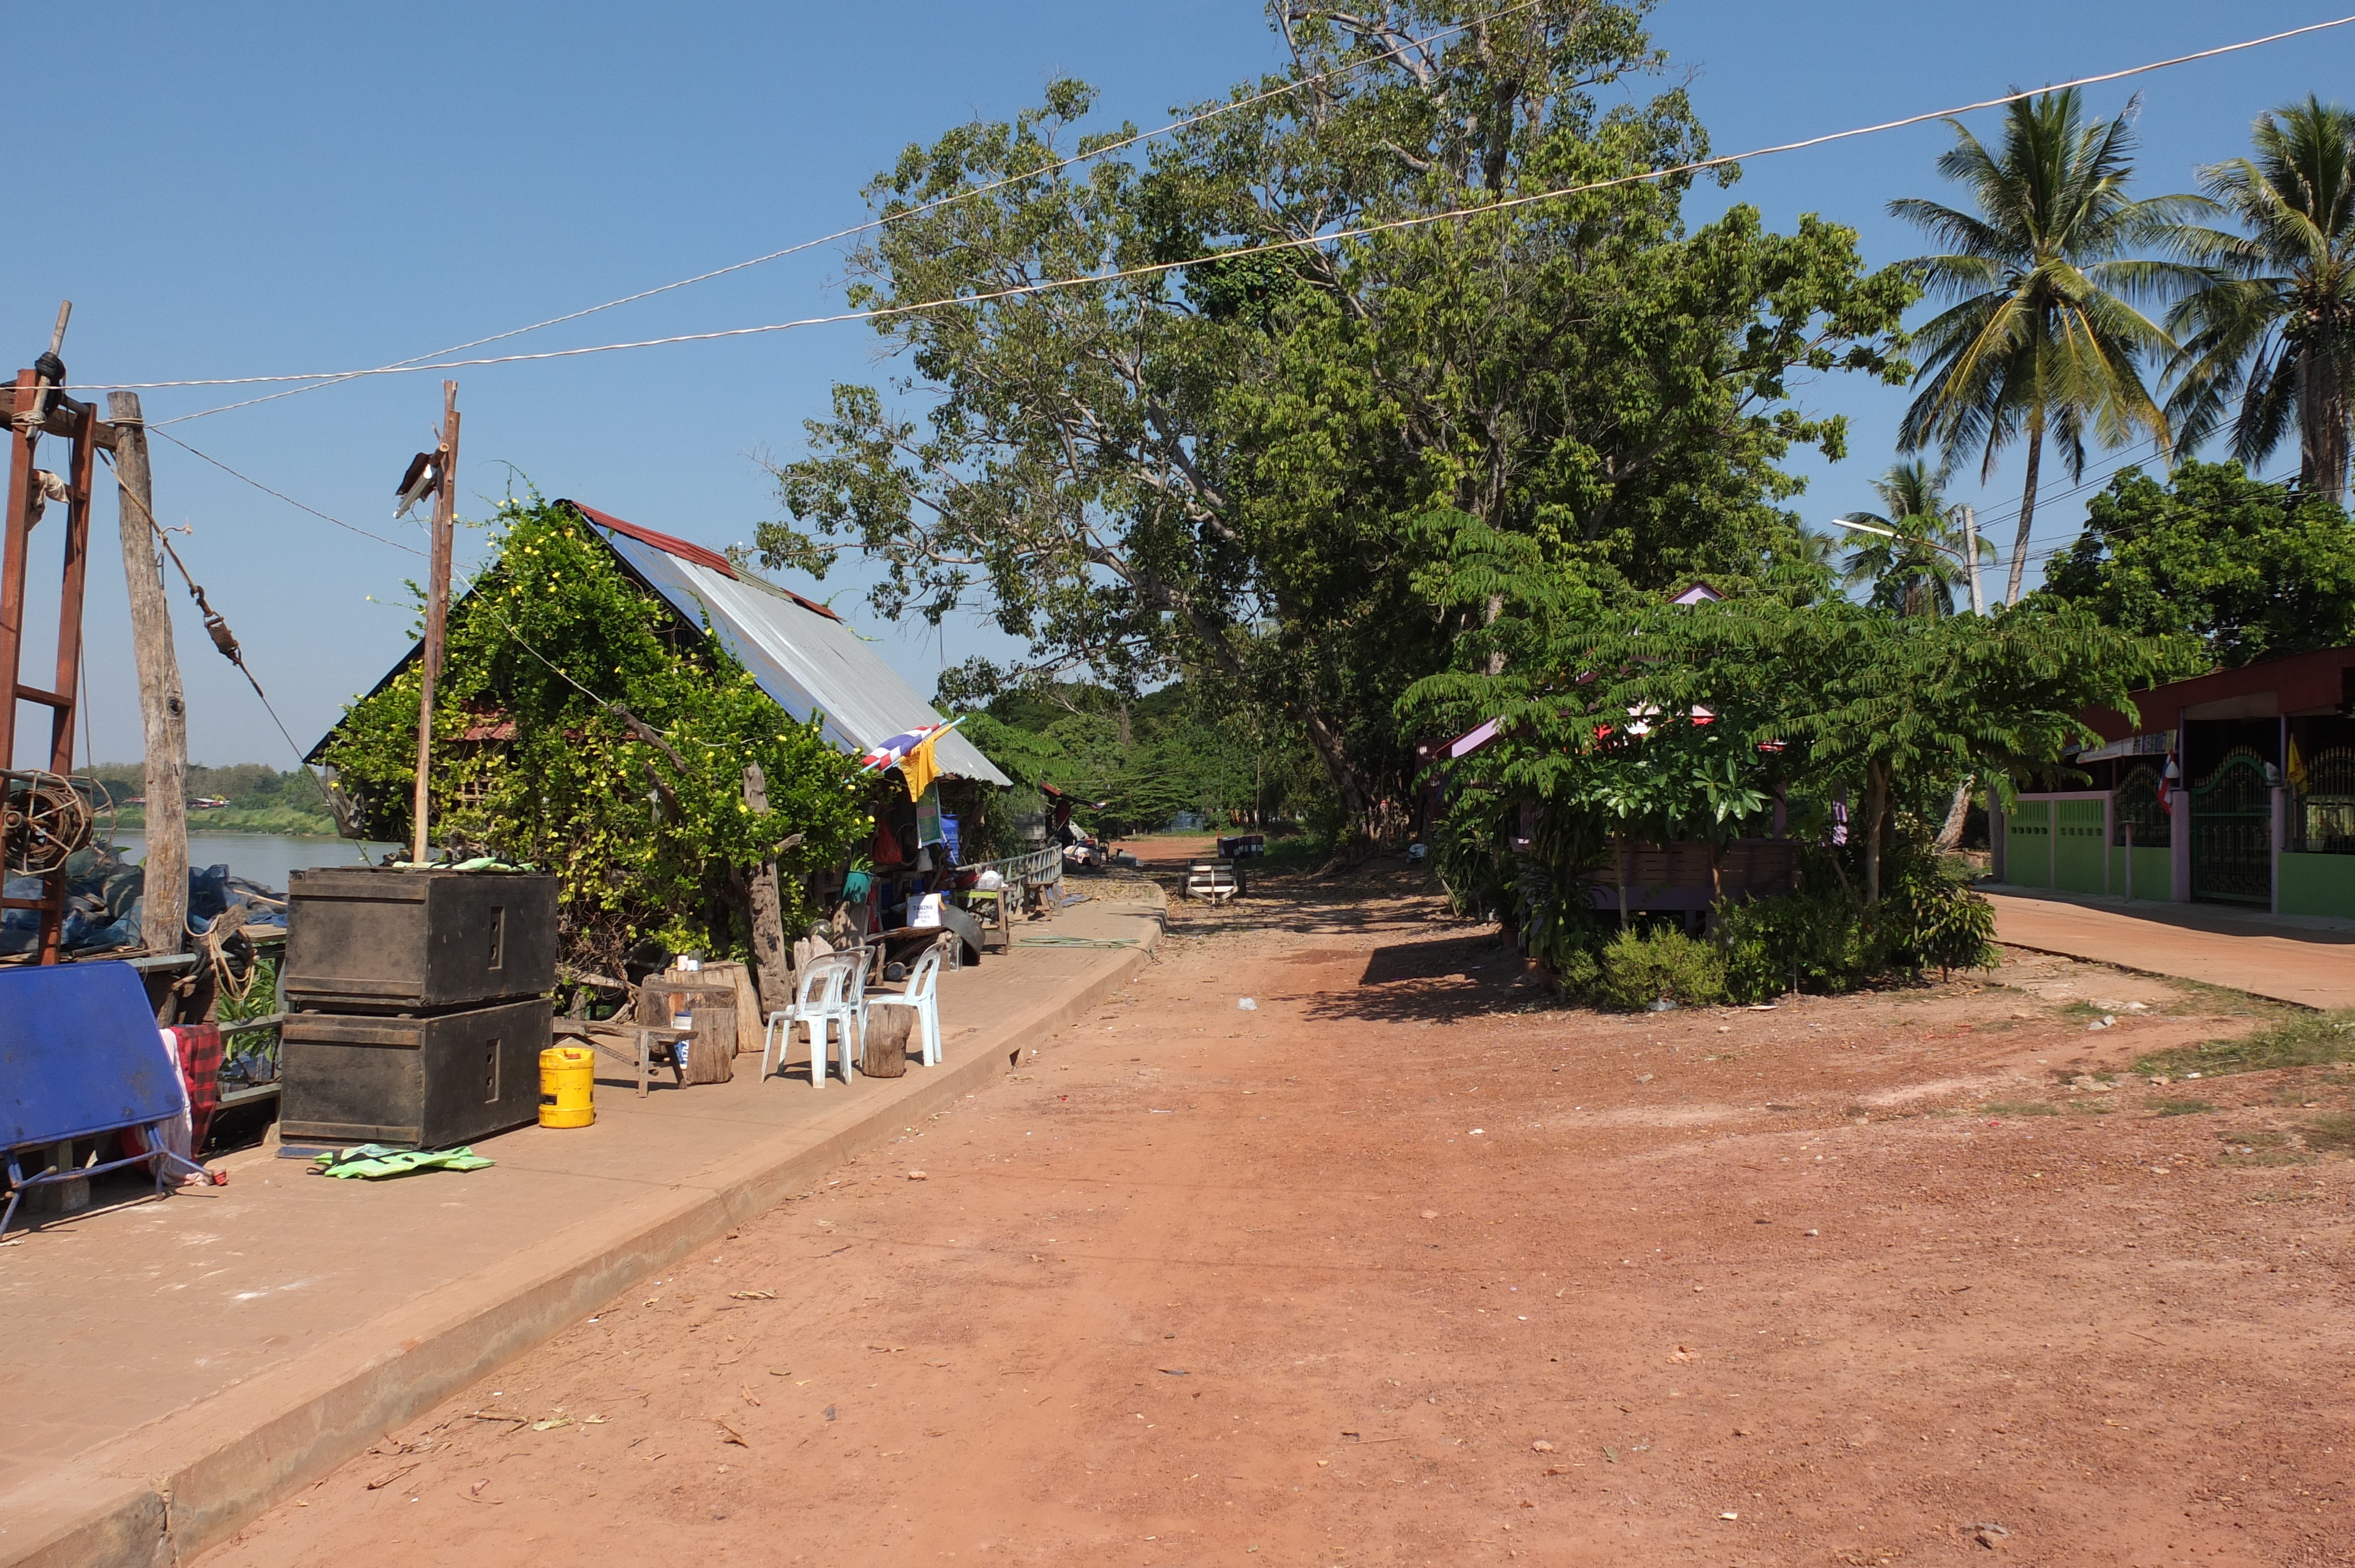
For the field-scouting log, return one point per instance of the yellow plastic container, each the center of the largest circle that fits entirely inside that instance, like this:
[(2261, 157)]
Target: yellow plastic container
[(568, 1086)]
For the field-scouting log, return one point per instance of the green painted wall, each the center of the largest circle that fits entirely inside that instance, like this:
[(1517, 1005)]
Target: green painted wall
[(2152, 869), (2027, 844), (2317, 885), (2079, 862)]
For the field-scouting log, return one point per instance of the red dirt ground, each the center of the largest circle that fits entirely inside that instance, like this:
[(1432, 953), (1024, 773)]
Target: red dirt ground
[(1408, 1265)]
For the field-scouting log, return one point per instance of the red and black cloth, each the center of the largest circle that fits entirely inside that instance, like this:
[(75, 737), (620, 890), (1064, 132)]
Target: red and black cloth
[(200, 1048)]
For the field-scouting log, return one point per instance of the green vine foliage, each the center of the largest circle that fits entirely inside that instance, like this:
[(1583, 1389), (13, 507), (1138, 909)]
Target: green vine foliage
[(648, 850)]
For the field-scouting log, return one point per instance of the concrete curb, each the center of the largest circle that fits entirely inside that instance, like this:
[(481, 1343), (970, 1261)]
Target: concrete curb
[(165, 1493), (2155, 974)]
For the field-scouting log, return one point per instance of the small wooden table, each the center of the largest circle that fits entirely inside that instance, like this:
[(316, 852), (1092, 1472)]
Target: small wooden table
[(607, 1037)]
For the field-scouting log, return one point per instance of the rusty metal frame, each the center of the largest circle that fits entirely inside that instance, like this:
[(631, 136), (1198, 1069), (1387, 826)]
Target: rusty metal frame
[(78, 425)]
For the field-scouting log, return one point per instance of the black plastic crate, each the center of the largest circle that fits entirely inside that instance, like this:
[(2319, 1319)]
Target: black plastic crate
[(422, 1083), (369, 939)]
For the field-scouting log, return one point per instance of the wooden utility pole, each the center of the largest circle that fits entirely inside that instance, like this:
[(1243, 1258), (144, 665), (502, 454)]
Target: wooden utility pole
[(163, 710), (1971, 557), (1958, 811), (437, 604)]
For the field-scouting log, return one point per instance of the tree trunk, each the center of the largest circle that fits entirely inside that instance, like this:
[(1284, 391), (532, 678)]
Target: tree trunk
[(2322, 416), (884, 1052), (1334, 753), (163, 713), (1950, 837), (770, 968), (2026, 511), (1876, 808)]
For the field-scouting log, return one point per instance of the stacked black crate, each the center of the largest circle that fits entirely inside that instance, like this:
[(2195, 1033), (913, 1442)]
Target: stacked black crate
[(420, 1005)]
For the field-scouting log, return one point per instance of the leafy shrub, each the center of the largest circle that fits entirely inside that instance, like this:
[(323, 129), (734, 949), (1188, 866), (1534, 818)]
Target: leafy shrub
[(1637, 968), (1821, 939), (1466, 851), (1812, 940), (1932, 918)]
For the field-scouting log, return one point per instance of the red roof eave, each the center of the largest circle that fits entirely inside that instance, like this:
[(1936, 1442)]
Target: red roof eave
[(2298, 683), (666, 542)]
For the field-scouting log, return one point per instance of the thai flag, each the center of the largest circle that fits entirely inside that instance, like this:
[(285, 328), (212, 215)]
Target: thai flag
[(887, 754)]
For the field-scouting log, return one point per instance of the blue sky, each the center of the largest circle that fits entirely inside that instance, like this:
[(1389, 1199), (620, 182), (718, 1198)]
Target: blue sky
[(280, 187)]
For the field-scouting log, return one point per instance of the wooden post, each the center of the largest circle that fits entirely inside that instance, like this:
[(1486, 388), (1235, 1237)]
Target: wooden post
[(770, 971), (163, 711), (437, 608)]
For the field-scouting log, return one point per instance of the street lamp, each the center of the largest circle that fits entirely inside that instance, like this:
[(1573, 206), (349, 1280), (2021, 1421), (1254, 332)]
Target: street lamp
[(1970, 541)]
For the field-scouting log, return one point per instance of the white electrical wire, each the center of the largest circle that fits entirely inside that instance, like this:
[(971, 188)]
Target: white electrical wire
[(1055, 167), (1269, 247)]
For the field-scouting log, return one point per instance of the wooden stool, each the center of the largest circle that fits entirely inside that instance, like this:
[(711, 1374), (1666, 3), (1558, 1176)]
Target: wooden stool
[(607, 1038)]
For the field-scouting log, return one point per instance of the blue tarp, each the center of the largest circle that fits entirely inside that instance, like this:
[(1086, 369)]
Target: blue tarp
[(79, 1054), (105, 899)]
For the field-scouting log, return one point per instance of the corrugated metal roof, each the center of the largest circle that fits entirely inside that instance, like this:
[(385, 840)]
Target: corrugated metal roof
[(803, 655)]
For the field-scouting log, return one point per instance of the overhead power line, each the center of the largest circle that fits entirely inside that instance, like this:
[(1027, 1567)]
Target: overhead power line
[(1056, 166), (282, 495), (1272, 246)]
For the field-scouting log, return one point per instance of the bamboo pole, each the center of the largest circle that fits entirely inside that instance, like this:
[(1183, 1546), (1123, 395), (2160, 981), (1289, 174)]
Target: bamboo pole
[(437, 608)]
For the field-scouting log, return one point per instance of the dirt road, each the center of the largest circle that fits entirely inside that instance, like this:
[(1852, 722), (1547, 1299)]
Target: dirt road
[(1401, 1265)]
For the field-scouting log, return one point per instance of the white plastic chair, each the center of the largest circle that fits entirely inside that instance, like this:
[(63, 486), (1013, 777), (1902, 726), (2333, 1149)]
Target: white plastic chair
[(865, 960), (822, 1000), (923, 993)]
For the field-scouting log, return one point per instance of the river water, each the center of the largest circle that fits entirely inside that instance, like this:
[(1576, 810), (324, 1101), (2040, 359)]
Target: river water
[(265, 858)]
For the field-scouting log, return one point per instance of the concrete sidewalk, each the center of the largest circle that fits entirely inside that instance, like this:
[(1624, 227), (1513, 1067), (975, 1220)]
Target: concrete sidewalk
[(2310, 962), (172, 1368)]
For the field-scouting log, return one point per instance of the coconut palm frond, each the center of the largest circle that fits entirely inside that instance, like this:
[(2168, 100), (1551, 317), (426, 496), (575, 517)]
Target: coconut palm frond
[(2043, 341), (2274, 326)]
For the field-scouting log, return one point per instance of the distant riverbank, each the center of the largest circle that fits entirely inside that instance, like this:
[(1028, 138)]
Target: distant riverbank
[(287, 821), (265, 858)]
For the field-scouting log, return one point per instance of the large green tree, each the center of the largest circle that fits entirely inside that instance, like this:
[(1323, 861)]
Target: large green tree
[(2230, 569), (1134, 761), (1213, 469), (2271, 329), (2042, 338)]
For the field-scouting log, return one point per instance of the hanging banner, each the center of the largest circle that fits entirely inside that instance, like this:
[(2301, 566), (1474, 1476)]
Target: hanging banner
[(928, 816)]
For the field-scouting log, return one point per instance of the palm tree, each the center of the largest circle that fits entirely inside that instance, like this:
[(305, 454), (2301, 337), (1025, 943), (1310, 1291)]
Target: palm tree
[(2274, 326), (1915, 559), (2041, 340), (1808, 549)]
